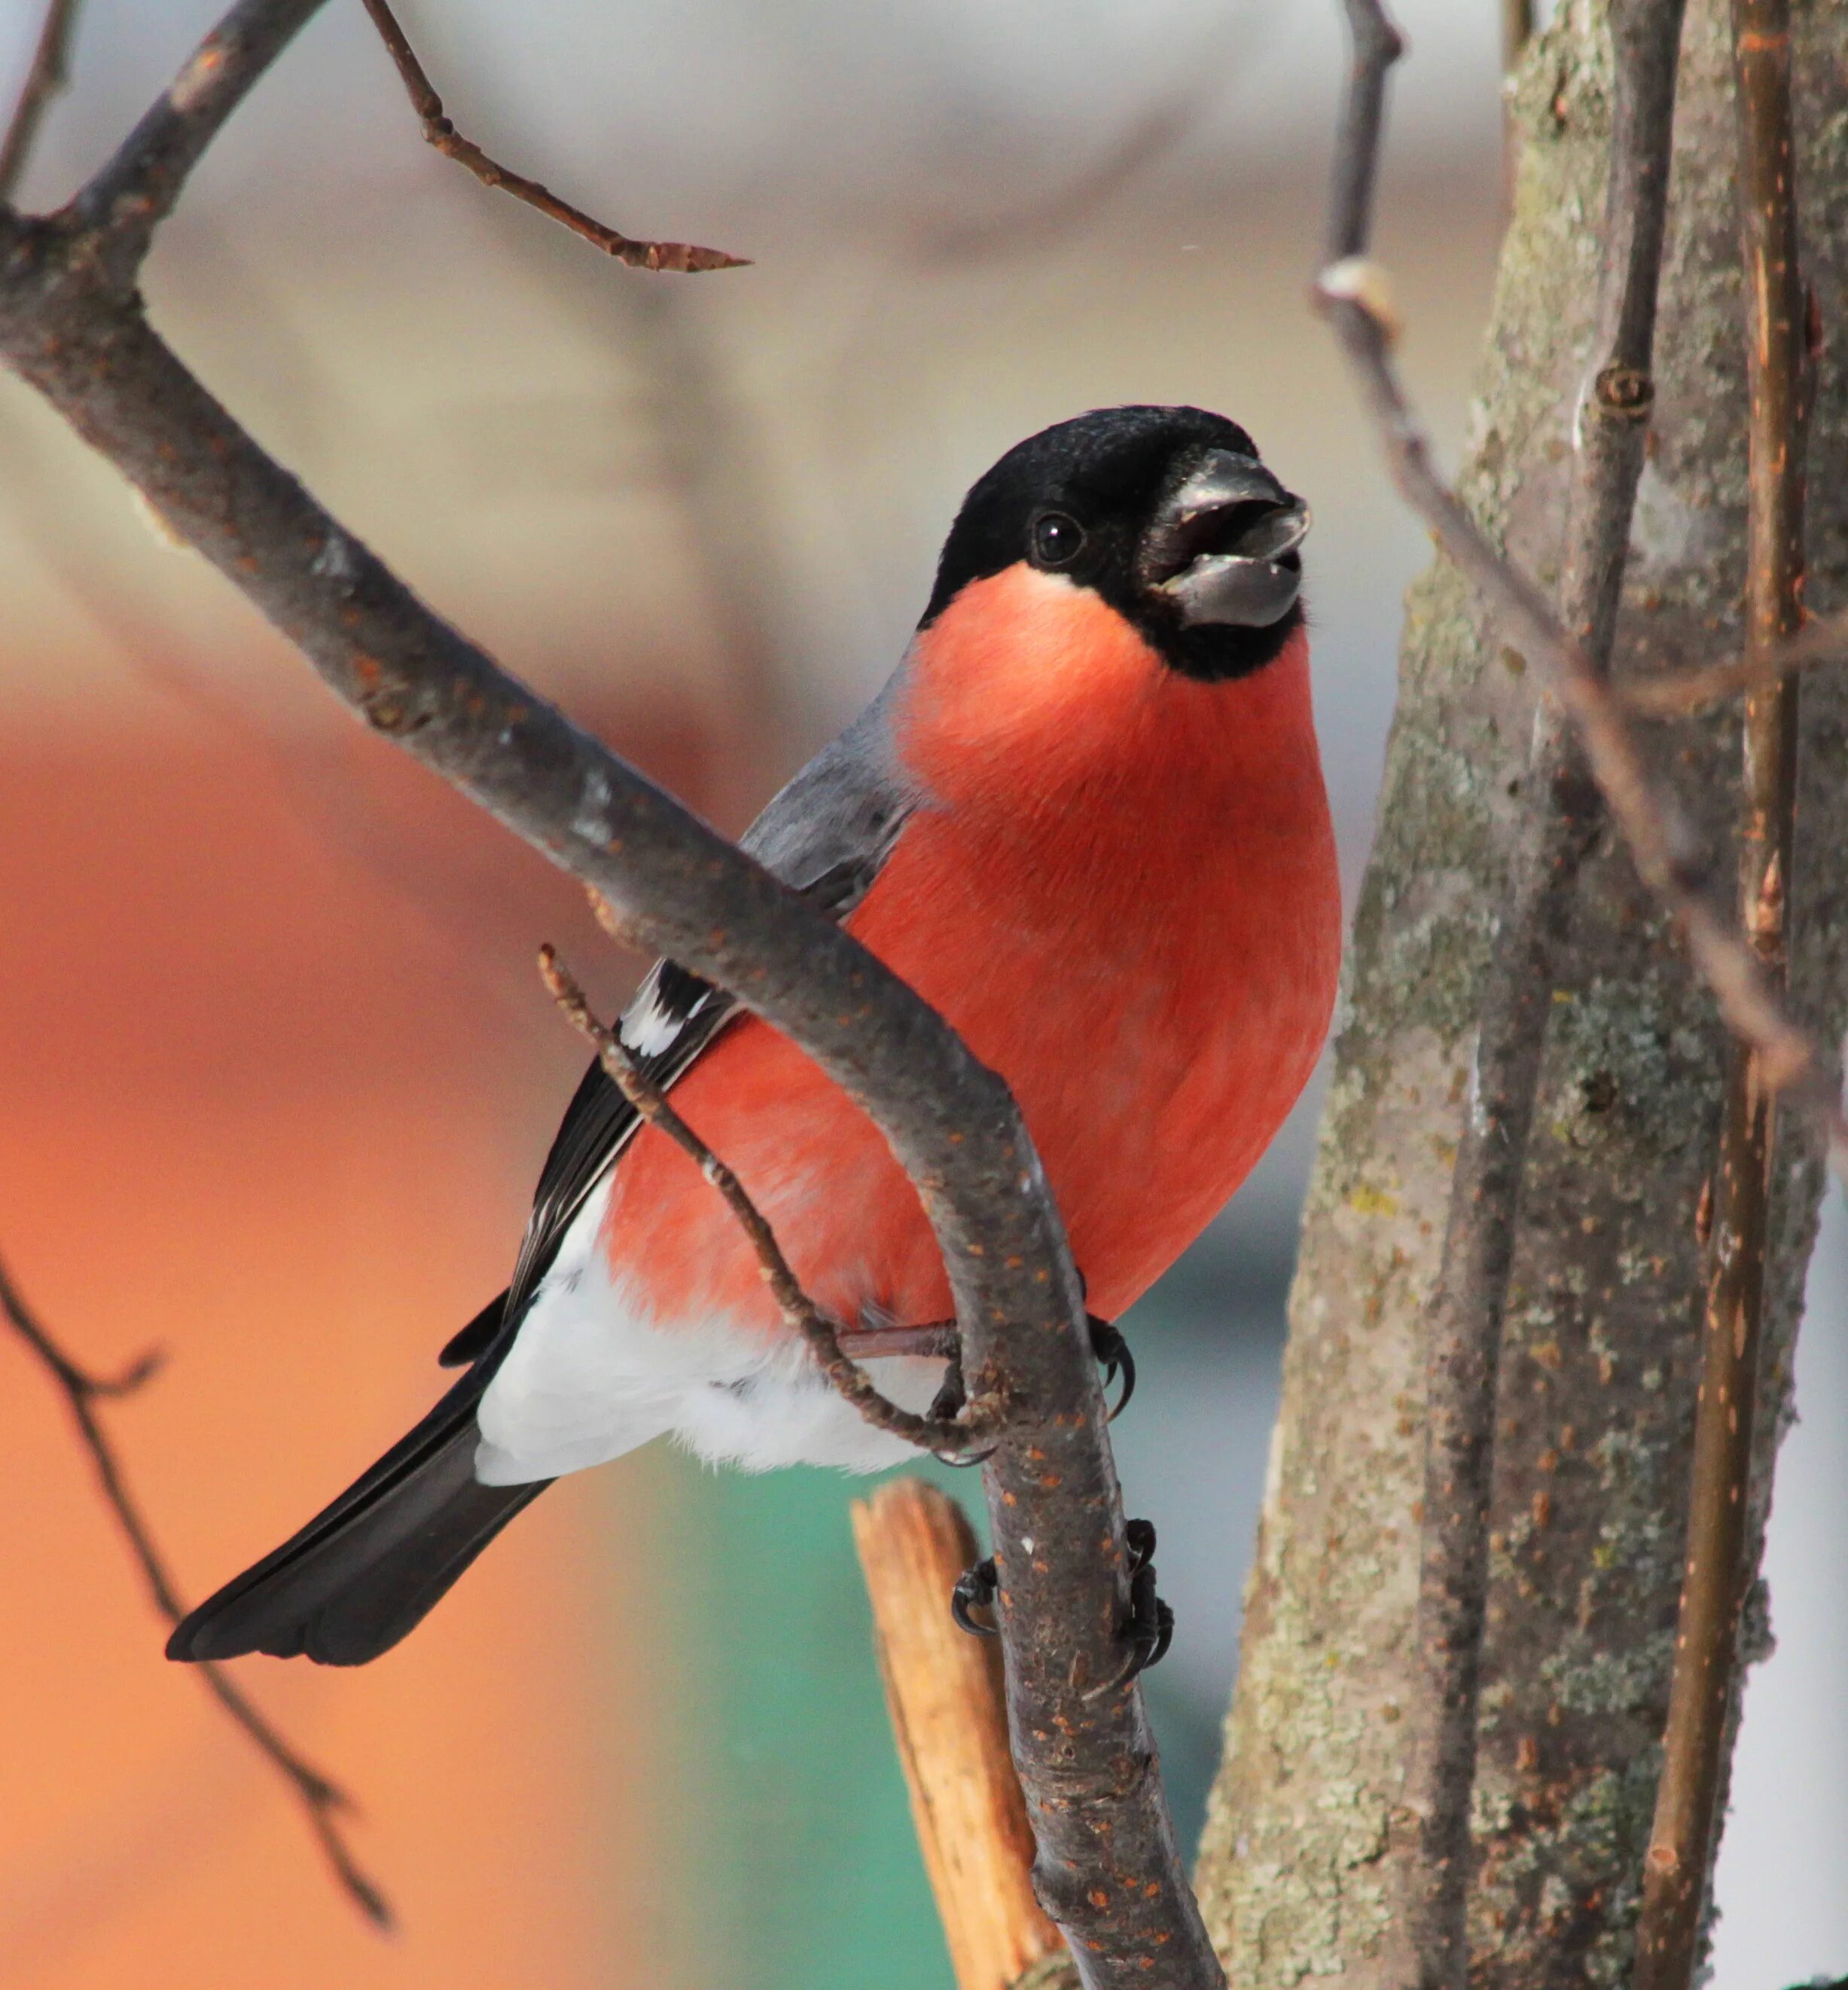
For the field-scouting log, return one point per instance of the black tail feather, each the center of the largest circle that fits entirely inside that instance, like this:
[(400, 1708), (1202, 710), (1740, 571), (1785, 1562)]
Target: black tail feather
[(476, 1338), (367, 1569)]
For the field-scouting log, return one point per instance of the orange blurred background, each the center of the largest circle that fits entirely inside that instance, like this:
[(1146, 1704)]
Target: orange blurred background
[(258, 1123)]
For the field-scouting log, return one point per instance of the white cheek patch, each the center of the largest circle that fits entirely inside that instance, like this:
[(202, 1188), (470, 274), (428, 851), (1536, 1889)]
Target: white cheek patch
[(592, 1374)]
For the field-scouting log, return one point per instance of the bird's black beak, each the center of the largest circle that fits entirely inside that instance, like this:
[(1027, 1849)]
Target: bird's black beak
[(1222, 546)]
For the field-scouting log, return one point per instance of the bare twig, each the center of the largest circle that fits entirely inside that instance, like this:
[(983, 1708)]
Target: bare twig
[(800, 1312), (1663, 844), (1469, 1305), (1713, 1584), (1108, 1868), (684, 257), (871, 1344), (117, 212), (47, 75), (1377, 46), (322, 1801), (1516, 32), (1680, 692), (949, 1717)]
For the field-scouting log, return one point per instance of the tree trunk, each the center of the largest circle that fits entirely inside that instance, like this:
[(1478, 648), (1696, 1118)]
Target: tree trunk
[(1300, 1865)]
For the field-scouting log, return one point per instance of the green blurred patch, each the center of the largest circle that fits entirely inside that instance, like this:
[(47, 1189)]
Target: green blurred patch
[(806, 1874)]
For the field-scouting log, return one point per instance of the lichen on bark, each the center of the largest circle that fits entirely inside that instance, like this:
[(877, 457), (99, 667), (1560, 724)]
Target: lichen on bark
[(1305, 1830)]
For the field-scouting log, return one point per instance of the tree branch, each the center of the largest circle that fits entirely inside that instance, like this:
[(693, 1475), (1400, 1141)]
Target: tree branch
[(1680, 692), (1713, 1590), (115, 216), (800, 1312), (322, 1801), (1108, 1870), (1469, 1303), (1662, 843), (47, 75), (684, 257), (1516, 32)]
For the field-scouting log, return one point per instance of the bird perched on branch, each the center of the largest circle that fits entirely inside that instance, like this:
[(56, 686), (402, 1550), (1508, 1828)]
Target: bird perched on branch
[(1085, 819)]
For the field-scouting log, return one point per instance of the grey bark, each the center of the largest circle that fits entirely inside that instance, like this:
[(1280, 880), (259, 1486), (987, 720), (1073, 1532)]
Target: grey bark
[(1305, 1829)]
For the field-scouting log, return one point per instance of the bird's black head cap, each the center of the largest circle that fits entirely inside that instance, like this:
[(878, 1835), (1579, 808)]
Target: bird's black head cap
[(1167, 513)]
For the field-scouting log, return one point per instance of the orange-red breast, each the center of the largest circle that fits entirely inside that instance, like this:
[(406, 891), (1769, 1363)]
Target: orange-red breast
[(1085, 819)]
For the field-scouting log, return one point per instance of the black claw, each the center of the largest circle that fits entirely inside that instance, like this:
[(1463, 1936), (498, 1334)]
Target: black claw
[(1149, 1628), (947, 1404), (1109, 1347), (1165, 1632), (976, 1589)]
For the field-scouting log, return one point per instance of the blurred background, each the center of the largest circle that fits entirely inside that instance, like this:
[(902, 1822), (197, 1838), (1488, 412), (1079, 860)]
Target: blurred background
[(279, 1071)]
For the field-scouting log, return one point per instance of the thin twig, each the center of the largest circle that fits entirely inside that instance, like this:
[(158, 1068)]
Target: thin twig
[(1516, 32), (684, 257), (119, 209), (873, 1344), (1663, 844), (800, 1312), (48, 74), (1713, 1588), (321, 1800), (1469, 1305), (1377, 46), (1680, 693)]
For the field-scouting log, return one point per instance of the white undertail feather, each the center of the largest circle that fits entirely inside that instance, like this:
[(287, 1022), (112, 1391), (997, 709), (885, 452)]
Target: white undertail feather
[(590, 1375)]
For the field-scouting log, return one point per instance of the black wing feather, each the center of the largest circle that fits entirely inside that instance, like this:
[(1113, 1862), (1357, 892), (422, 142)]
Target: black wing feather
[(598, 1125), (600, 1122)]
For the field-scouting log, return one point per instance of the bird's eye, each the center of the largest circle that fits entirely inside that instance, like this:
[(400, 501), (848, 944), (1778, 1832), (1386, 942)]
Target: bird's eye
[(1057, 538)]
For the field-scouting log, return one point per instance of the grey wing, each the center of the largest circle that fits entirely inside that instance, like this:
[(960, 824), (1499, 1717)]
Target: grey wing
[(830, 831), (827, 833)]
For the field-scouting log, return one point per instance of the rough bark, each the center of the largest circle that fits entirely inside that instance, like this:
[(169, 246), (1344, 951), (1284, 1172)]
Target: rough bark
[(1601, 1345)]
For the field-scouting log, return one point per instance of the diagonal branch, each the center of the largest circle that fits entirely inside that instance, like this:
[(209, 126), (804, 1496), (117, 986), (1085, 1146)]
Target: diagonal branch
[(322, 1801), (1713, 1591), (800, 1312), (117, 213), (47, 76), (685, 257), (1108, 1868)]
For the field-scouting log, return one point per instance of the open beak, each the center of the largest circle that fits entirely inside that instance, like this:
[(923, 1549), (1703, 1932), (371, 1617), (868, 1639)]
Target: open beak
[(1222, 545)]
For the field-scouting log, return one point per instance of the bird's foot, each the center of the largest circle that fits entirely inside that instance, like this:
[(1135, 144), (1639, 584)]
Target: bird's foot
[(1149, 1628), (976, 1589), (1109, 1347), (951, 1396)]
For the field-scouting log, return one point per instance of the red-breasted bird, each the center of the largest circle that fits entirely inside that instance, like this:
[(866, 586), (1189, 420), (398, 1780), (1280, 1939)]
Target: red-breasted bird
[(1085, 819)]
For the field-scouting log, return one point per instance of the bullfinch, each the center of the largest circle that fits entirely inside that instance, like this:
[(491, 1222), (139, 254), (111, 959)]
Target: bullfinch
[(1085, 819)]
